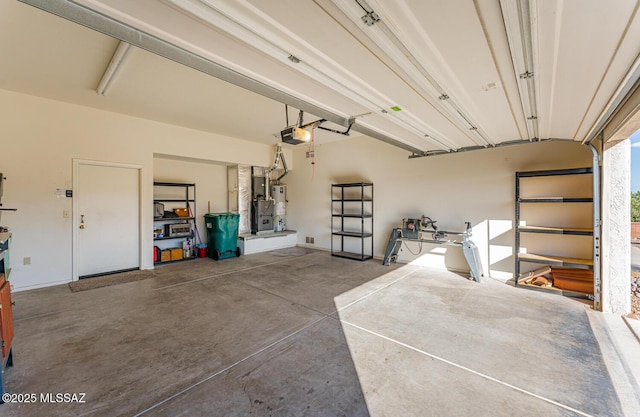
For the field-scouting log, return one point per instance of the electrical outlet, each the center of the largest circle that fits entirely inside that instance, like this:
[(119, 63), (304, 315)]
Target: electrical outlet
[(26, 260)]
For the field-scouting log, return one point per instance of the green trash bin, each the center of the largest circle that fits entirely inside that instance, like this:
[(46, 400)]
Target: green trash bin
[(223, 235)]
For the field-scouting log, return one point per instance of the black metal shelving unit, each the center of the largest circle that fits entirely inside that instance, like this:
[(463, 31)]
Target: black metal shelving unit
[(188, 201), (351, 202), (550, 259)]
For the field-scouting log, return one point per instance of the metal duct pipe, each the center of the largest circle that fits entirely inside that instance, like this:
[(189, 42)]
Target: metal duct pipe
[(286, 171), (277, 161), (279, 157)]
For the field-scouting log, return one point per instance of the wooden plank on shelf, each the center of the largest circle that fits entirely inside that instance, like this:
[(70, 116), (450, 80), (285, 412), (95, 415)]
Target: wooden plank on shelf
[(558, 230), (573, 279), (573, 273), (554, 260), (555, 200)]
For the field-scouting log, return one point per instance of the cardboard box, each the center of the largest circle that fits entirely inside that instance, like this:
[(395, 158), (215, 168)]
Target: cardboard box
[(165, 255), (182, 212), (176, 254)]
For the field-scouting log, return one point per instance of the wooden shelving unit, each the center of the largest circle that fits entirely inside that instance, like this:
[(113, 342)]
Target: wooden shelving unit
[(352, 218), (547, 204)]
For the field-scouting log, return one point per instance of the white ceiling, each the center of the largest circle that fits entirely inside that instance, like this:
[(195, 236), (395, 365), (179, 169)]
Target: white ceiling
[(453, 67)]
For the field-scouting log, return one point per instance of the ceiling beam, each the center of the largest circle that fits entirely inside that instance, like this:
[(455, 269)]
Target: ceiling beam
[(84, 16), (112, 69)]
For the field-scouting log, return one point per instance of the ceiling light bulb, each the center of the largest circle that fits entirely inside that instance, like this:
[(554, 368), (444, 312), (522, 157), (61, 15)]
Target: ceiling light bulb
[(302, 134)]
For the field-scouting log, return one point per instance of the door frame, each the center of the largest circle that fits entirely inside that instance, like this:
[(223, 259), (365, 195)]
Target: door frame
[(75, 222)]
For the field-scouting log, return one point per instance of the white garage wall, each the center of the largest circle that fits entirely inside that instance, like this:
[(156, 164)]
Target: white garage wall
[(40, 139), (476, 186)]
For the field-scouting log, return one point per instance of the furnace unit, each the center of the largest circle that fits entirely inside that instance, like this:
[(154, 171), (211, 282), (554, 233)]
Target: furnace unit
[(262, 203)]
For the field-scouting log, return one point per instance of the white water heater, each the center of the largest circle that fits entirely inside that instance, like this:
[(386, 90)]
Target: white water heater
[(279, 195)]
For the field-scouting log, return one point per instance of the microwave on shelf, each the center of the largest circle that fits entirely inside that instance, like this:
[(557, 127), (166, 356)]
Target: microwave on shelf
[(177, 229)]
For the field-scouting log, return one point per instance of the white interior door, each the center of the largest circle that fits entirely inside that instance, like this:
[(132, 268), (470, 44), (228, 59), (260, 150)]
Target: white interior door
[(106, 218)]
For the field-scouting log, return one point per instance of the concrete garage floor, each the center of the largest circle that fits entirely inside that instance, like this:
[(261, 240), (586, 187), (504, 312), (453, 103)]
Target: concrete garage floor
[(301, 333)]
